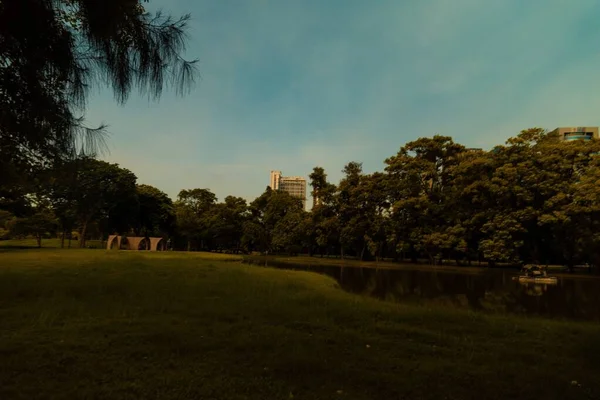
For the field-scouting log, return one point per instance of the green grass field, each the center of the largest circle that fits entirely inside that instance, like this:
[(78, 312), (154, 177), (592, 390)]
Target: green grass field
[(47, 243), (316, 261), (86, 324)]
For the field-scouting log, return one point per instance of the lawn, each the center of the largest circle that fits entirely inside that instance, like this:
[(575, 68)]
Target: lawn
[(316, 261), (47, 243), (304, 259), (127, 325)]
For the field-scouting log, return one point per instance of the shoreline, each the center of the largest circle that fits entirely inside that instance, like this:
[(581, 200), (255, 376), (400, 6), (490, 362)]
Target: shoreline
[(316, 262)]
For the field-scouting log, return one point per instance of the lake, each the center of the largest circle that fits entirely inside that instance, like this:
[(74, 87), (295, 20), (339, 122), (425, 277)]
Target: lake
[(486, 290)]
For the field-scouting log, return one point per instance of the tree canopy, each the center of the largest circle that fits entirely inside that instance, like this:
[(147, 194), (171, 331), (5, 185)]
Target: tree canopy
[(53, 52), (534, 199)]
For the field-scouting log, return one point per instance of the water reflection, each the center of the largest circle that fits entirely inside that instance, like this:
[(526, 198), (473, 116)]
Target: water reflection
[(488, 290)]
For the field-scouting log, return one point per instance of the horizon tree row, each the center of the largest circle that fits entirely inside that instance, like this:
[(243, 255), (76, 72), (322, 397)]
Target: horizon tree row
[(534, 199)]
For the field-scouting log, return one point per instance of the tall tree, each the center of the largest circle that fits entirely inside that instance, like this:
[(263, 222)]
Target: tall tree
[(53, 52), (226, 223), (193, 209), (266, 211), (353, 227), (419, 183), (156, 215), (99, 190), (375, 207), (324, 228)]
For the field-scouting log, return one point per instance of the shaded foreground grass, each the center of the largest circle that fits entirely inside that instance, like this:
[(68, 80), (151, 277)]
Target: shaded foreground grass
[(124, 325)]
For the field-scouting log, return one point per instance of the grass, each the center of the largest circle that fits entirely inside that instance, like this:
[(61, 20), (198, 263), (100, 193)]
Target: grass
[(46, 243), (127, 325), (316, 261)]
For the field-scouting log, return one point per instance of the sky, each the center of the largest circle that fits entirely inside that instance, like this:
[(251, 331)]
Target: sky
[(293, 84)]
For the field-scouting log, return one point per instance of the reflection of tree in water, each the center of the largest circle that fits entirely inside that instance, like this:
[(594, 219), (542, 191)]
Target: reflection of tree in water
[(418, 286), (490, 291), (571, 298)]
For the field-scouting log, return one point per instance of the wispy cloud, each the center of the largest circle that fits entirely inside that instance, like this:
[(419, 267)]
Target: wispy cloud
[(290, 85)]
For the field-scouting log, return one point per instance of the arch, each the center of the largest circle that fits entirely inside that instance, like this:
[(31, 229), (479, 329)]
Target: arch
[(157, 244), (110, 243), (136, 241)]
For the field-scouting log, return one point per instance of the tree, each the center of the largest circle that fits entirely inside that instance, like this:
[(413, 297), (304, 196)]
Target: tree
[(38, 225), (471, 197), (97, 190), (199, 200), (53, 52), (324, 226), (61, 181), (5, 218), (375, 207), (569, 214), (188, 223), (226, 223), (419, 185), (290, 233), (156, 215), (352, 226), (318, 182), (266, 211), (193, 214)]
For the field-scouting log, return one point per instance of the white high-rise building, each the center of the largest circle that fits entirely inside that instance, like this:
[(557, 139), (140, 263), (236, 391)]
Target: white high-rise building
[(294, 185), (274, 181)]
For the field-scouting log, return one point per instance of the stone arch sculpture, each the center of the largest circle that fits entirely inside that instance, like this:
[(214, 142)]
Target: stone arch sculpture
[(134, 242), (157, 244), (112, 239)]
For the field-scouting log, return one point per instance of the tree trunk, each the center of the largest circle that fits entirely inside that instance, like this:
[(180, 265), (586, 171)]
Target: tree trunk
[(362, 252), (189, 245), (62, 239)]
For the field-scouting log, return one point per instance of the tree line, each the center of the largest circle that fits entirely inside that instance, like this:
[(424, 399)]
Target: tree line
[(533, 199)]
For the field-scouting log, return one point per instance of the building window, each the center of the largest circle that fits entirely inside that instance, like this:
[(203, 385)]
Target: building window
[(578, 135)]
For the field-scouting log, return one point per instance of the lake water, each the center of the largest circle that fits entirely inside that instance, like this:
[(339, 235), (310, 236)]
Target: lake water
[(486, 290)]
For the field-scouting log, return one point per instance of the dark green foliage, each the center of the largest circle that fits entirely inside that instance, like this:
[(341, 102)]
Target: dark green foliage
[(534, 199), (39, 225), (156, 213), (53, 52), (87, 191)]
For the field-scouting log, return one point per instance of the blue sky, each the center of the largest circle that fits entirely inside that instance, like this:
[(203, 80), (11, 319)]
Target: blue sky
[(292, 84)]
